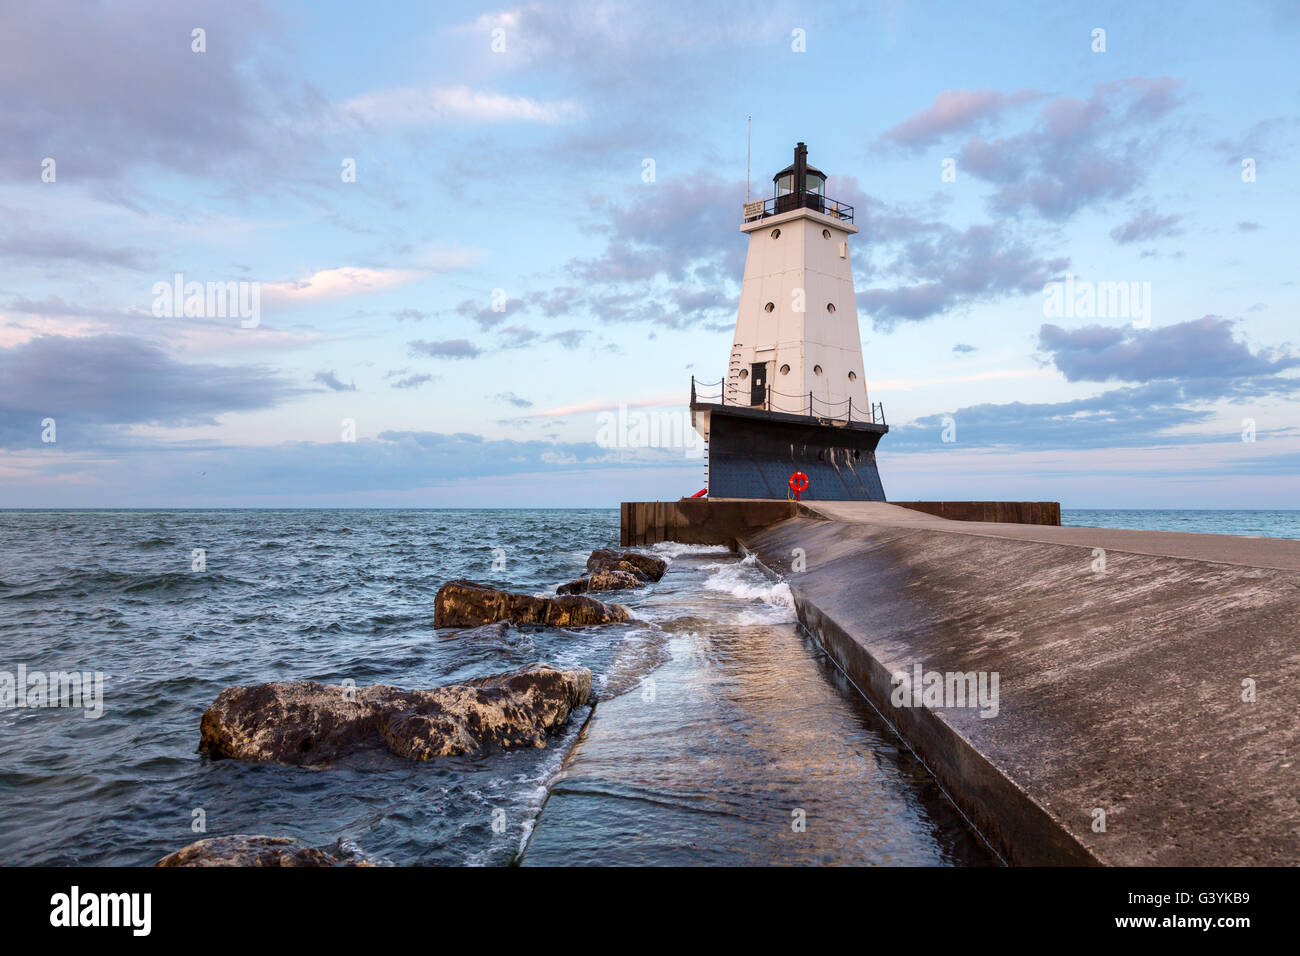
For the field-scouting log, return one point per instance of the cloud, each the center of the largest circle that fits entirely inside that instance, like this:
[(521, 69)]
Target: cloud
[(631, 55), (449, 348), (487, 316), (1146, 225), (514, 400), (1079, 152), (568, 338), (948, 268), (45, 247), (1180, 373), (666, 254), (106, 88), (1117, 418), (518, 336), (1261, 141), (606, 406), (416, 106), (411, 315), (331, 381), (670, 230), (344, 281), (92, 382), (961, 348), (302, 472), (414, 381), (667, 264), (1200, 349), (953, 111)]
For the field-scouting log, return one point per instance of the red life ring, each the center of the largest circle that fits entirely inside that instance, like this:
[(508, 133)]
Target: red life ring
[(798, 484)]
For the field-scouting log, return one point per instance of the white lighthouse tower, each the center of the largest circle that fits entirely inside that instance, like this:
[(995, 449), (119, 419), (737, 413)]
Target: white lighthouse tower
[(797, 347), (794, 397)]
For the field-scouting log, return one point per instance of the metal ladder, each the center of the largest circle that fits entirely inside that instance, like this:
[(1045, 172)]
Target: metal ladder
[(733, 375)]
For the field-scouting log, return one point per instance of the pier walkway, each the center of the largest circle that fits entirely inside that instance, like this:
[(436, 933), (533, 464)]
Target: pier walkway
[(1148, 682)]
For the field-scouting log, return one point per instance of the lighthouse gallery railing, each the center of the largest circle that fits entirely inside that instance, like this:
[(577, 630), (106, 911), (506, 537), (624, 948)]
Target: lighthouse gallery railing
[(779, 204), (808, 404)]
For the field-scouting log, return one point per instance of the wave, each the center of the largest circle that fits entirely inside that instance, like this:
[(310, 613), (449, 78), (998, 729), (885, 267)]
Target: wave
[(671, 549), (86, 583), (741, 581), (642, 651)]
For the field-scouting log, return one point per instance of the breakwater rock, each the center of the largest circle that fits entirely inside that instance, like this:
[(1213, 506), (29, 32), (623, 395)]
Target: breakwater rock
[(602, 581), (466, 604), (644, 566), (306, 723), (243, 850)]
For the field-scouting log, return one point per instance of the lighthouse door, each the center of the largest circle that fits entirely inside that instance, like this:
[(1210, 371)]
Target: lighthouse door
[(758, 383)]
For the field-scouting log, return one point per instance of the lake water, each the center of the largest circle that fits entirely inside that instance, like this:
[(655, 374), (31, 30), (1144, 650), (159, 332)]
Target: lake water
[(746, 724), (722, 734)]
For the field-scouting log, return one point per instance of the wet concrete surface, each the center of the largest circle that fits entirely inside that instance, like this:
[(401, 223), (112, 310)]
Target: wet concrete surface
[(1120, 687), (746, 746), (1280, 553)]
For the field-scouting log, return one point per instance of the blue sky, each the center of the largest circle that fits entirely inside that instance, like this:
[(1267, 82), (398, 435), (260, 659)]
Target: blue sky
[(515, 176)]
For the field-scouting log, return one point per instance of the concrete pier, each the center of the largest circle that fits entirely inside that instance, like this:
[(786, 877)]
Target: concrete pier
[(1011, 512), (699, 520), (1148, 707)]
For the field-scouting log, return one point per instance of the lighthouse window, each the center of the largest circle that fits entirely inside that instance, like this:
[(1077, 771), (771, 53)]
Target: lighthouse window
[(853, 376), (776, 233), (785, 370), (830, 307), (769, 307), (744, 373), (826, 233), (817, 369), (785, 184)]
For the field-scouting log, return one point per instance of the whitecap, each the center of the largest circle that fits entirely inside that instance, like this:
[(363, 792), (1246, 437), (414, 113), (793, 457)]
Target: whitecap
[(671, 549)]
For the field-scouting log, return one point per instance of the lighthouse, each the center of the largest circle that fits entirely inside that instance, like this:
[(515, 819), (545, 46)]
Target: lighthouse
[(794, 398)]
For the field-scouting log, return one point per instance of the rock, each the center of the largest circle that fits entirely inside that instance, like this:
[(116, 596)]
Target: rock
[(602, 581), (516, 709), (297, 722), (466, 604), (643, 565), (306, 723), (243, 850)]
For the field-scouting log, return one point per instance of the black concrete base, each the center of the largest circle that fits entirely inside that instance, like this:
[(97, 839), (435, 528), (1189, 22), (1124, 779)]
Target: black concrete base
[(752, 454)]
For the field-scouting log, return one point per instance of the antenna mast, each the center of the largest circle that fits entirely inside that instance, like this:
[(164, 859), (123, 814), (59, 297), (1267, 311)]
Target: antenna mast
[(749, 122)]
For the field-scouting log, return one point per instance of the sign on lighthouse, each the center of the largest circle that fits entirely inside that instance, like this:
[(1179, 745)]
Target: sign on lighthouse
[(794, 396)]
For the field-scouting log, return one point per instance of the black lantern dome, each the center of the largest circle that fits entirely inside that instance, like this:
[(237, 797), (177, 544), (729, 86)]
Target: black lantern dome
[(799, 185), (799, 177)]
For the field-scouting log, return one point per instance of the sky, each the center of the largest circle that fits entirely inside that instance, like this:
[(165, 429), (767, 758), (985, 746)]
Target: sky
[(466, 235)]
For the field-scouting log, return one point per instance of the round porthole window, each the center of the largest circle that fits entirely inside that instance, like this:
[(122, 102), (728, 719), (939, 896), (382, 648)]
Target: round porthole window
[(826, 233), (853, 376), (785, 370), (817, 369), (744, 373), (769, 307), (776, 233), (830, 307)]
